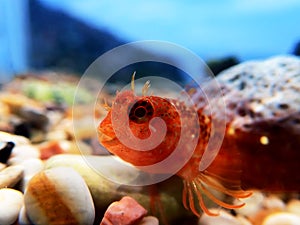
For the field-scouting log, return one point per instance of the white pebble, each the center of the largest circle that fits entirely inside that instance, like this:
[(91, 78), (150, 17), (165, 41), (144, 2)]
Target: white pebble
[(21, 153), (293, 206), (59, 196), (243, 220), (253, 204), (149, 220), (282, 218), (11, 202), (2, 166), (11, 175), (23, 218), (16, 139), (223, 218), (273, 202), (31, 167)]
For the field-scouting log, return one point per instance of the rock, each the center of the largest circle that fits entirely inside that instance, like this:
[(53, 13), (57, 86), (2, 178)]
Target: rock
[(273, 202), (59, 196), (223, 218), (2, 166), (31, 167), (50, 148), (263, 120), (149, 220), (243, 220), (254, 203), (282, 218), (36, 117), (11, 202), (269, 89), (83, 127), (5, 151), (105, 192), (56, 135), (23, 218), (124, 212), (10, 176), (293, 206), (16, 139), (23, 152)]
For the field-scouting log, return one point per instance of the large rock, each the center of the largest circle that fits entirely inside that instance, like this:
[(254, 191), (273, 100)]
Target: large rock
[(263, 123)]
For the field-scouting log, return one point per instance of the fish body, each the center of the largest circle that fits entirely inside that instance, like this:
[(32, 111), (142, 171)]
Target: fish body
[(239, 166)]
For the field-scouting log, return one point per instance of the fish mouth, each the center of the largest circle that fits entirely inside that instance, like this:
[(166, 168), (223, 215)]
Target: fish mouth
[(104, 138)]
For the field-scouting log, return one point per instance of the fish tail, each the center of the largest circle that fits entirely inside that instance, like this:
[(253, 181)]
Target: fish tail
[(196, 191)]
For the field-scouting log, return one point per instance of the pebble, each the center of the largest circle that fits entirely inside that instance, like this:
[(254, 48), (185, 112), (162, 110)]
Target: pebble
[(253, 204), (59, 196), (223, 218), (23, 218), (281, 218), (5, 151), (2, 166), (50, 148), (31, 168), (149, 220), (127, 211), (293, 206), (11, 202), (23, 152), (243, 220), (34, 116), (11, 175), (273, 202), (16, 139)]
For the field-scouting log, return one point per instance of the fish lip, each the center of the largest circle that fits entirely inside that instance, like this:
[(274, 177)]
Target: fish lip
[(104, 138)]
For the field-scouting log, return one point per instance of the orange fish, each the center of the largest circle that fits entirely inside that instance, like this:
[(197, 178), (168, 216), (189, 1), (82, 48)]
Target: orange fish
[(238, 167)]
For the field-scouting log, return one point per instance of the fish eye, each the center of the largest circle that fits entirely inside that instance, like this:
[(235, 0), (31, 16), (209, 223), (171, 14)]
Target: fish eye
[(141, 112)]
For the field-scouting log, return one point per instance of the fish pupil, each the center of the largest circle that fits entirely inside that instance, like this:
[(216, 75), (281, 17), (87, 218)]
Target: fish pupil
[(141, 112)]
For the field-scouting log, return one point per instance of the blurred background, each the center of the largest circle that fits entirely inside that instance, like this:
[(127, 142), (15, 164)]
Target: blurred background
[(68, 35)]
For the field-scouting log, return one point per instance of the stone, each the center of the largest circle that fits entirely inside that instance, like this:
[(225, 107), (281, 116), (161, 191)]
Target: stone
[(23, 152), (2, 166), (50, 148), (243, 220), (31, 167), (11, 201), (127, 211), (281, 218), (254, 203), (5, 151), (23, 218), (262, 100), (273, 202), (223, 218), (16, 139), (269, 88), (149, 220), (36, 117), (59, 196), (11, 175), (293, 206)]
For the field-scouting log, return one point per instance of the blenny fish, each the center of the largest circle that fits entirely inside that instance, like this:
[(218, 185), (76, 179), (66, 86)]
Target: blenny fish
[(232, 170)]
